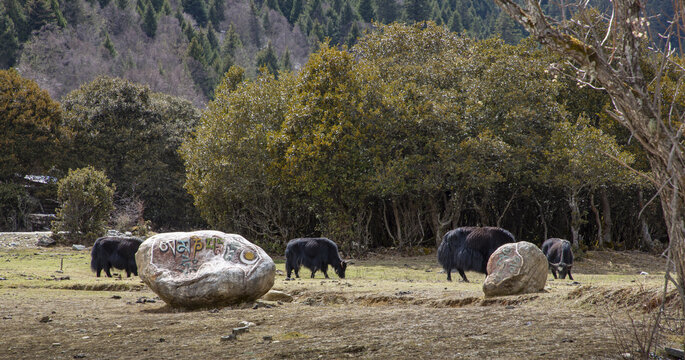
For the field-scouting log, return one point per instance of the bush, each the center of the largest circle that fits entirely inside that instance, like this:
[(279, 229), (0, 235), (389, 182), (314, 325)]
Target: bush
[(15, 205), (86, 202)]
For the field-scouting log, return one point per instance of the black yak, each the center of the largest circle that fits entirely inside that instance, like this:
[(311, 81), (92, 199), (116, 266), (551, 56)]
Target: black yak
[(469, 248), (559, 256), (315, 254), (115, 252)]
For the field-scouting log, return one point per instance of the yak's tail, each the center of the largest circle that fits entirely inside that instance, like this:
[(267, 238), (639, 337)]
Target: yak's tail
[(445, 256), (93, 256)]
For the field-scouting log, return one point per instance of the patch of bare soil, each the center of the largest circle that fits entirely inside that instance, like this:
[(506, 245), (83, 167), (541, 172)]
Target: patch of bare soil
[(387, 308)]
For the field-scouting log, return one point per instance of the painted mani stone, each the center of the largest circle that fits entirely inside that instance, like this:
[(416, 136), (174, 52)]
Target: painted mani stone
[(204, 268), (516, 268)]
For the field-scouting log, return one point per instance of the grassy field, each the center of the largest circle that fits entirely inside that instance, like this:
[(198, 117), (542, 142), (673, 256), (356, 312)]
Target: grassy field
[(389, 307)]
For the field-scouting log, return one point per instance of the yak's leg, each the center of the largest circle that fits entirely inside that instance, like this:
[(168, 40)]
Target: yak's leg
[(554, 272), (463, 276), (288, 270), (324, 270), (99, 271), (107, 271), (449, 275), (128, 273), (297, 272), (313, 272), (569, 275)]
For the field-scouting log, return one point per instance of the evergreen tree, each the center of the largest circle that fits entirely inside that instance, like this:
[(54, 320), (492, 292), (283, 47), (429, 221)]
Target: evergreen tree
[(198, 10), (286, 7), (109, 46), (166, 8), (216, 12), (61, 21), (273, 4), (122, 4), (157, 4), (231, 42), (296, 10), (253, 25), (266, 21), (387, 11), (286, 62), (9, 41), (455, 24), (353, 35), (149, 24), (103, 3), (416, 10), (267, 59), (18, 16), (211, 37), (39, 14), (196, 51), (366, 11)]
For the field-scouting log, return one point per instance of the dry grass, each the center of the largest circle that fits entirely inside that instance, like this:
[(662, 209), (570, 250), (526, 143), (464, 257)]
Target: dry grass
[(388, 307)]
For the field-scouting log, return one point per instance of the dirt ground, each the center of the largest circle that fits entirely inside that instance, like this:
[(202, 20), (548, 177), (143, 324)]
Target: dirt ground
[(389, 307)]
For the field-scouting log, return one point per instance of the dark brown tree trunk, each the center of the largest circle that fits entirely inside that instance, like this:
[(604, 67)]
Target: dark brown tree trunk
[(607, 234), (598, 220)]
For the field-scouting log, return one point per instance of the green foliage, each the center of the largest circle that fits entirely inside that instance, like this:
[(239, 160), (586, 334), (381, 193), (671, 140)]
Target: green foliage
[(149, 24), (388, 11), (267, 59), (197, 9), (109, 46), (86, 202), (133, 135), (15, 205), (416, 10), (9, 41), (30, 120), (366, 11), (39, 13)]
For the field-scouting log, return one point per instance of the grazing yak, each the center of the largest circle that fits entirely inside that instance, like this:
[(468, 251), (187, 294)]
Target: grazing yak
[(115, 252), (315, 254), (469, 248), (559, 256)]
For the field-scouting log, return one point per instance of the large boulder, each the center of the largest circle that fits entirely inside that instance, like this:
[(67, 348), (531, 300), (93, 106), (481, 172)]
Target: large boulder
[(204, 268), (516, 268)]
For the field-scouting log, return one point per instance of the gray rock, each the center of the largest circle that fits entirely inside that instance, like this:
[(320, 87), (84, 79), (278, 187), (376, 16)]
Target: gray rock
[(45, 241), (228, 337), (240, 330), (516, 268), (78, 247), (204, 268), (275, 295)]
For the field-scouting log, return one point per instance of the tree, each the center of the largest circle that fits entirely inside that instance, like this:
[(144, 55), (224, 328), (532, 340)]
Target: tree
[(9, 41), (216, 12), (229, 166), (387, 11), (30, 121), (286, 62), (85, 198), (267, 59), (39, 14), (416, 10), (611, 56), (109, 46), (149, 24), (366, 11), (133, 134), (197, 9)]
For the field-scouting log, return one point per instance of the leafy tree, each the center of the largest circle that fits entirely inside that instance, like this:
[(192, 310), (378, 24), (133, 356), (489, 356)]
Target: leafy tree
[(15, 206), (240, 195), (30, 121), (85, 198), (133, 135), (149, 24), (267, 59), (366, 11)]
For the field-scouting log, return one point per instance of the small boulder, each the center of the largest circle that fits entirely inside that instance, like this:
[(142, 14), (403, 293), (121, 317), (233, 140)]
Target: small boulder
[(275, 295), (45, 241), (516, 268), (204, 268), (78, 247)]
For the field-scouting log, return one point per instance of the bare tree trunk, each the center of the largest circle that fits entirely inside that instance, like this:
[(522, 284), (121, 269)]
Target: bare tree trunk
[(598, 220), (542, 218), (575, 219), (607, 234), (647, 241)]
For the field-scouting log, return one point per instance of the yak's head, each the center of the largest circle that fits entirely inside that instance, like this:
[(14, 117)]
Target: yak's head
[(340, 270), (564, 270)]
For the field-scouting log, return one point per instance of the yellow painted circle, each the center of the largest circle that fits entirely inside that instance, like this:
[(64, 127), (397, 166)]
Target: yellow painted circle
[(249, 255)]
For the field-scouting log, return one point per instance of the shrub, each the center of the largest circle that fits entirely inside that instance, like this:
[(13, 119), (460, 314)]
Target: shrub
[(15, 205), (86, 202)]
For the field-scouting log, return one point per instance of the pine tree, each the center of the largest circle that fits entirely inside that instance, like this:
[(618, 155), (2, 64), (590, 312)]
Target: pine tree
[(253, 25), (211, 37), (296, 10), (286, 7), (416, 10), (39, 14), (109, 46), (103, 3), (149, 24), (216, 12), (455, 24), (366, 11), (166, 8), (266, 22), (9, 41), (196, 51), (198, 10), (273, 4), (387, 11), (266, 59), (352, 36), (157, 4), (231, 42), (122, 4), (286, 62), (61, 21)]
